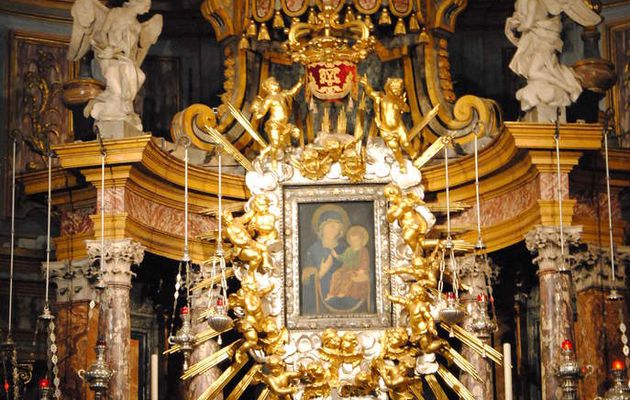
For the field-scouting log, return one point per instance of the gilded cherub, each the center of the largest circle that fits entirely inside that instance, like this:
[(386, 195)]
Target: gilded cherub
[(423, 331), (338, 350), (402, 208), (250, 299), (281, 383), (314, 163), (352, 161), (278, 103), (260, 221), (245, 248), (423, 270), (317, 381), (396, 364), (389, 107)]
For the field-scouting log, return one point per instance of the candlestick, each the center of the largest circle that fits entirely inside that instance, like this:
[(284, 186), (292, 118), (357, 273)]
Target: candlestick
[(507, 370), (154, 377)]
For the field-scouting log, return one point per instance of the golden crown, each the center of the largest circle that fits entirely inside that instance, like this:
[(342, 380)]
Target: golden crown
[(327, 40)]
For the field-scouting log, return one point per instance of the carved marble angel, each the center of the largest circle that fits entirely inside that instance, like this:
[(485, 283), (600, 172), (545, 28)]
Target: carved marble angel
[(535, 29), (120, 44)]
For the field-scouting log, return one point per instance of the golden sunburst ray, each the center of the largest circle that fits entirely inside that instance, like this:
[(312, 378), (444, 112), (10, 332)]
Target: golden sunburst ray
[(208, 282), (454, 383), (208, 334), (244, 383), (199, 339), (461, 362), (417, 391), (264, 395), (232, 207), (211, 361), (435, 387), (474, 343), (218, 385), (241, 119)]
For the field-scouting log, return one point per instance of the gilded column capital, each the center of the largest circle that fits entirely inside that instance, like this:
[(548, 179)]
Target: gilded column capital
[(544, 242), (118, 257), (592, 268), (72, 278)]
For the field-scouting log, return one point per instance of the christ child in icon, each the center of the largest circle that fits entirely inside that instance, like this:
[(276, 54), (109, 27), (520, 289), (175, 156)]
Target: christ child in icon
[(351, 278)]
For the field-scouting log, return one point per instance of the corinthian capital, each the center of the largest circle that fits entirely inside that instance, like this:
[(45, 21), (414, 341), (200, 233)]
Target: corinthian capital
[(72, 278), (544, 242), (116, 258), (592, 268)]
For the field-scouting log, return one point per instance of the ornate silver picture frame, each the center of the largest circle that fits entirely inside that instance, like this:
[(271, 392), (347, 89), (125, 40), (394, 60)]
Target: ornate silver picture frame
[(337, 247)]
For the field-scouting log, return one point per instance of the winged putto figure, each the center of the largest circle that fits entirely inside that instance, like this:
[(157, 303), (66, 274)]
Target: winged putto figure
[(120, 44), (535, 29)]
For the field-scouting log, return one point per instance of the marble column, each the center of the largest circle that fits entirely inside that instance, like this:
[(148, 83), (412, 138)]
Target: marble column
[(475, 277), (197, 385), (76, 327), (115, 307), (556, 306), (596, 346)]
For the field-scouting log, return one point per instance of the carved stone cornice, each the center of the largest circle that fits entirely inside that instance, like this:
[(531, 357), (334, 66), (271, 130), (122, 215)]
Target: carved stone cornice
[(72, 278), (591, 268), (544, 242), (118, 257)]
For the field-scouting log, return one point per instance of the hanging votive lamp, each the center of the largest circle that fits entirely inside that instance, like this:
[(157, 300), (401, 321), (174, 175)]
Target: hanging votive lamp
[(184, 337), (619, 389), (452, 313), (44, 388)]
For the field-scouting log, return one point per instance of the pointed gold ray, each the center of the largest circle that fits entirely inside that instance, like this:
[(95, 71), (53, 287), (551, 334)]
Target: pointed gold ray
[(264, 394), (241, 119), (206, 283), (435, 387), (208, 334), (461, 362), (218, 385), (455, 384), (429, 153), (417, 391), (221, 140), (211, 361), (475, 344), (424, 122), (232, 207), (244, 383)]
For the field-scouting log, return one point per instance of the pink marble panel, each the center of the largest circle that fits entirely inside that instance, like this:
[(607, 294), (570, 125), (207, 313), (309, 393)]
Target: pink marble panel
[(76, 222), (501, 208), (166, 219)]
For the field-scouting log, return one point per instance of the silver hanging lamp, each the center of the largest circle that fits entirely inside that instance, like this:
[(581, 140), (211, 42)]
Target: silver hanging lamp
[(483, 324), (218, 317), (184, 337), (451, 312)]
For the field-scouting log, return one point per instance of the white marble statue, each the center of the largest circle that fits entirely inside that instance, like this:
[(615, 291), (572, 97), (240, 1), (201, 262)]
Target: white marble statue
[(535, 29), (120, 44)]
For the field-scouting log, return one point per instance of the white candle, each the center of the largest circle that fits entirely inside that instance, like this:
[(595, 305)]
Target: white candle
[(154, 377), (507, 370)]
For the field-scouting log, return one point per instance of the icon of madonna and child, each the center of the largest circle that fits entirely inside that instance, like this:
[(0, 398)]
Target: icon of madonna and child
[(337, 267)]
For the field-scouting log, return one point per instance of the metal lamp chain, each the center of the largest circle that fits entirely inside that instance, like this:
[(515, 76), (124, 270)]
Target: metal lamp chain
[(52, 345), (10, 322), (559, 183), (49, 205), (448, 196), (478, 205), (610, 227)]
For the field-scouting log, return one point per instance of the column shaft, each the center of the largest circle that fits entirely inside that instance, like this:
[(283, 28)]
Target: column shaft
[(556, 306), (116, 260)]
